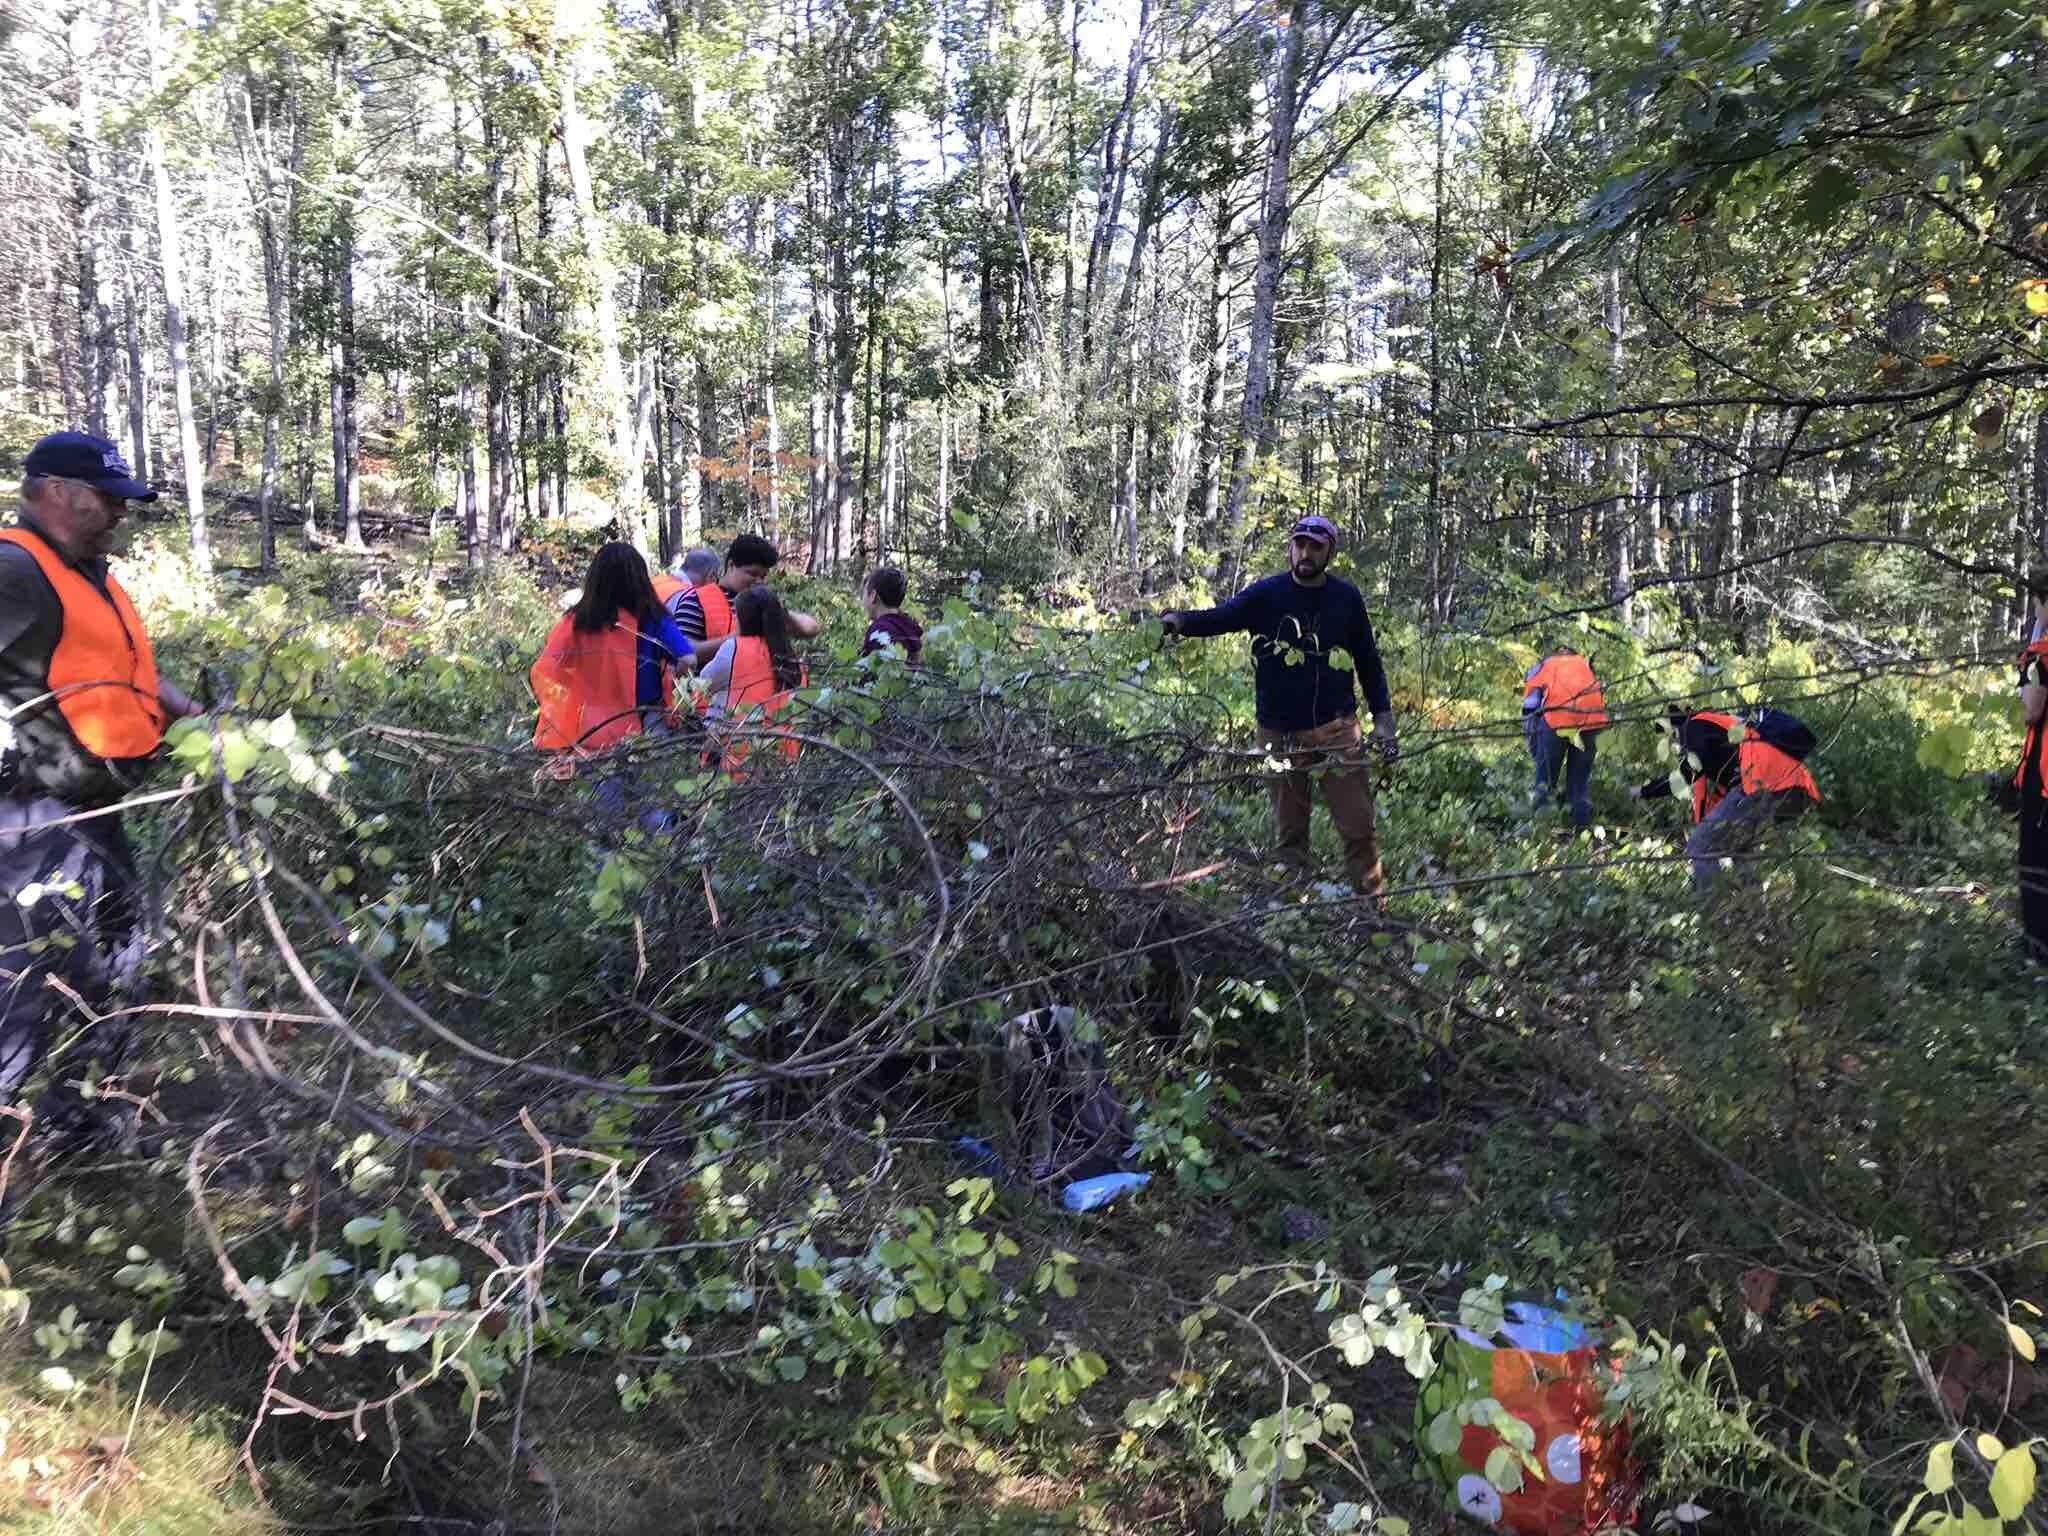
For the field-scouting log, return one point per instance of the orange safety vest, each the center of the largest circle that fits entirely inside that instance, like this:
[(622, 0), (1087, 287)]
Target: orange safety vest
[(718, 623), (718, 620), (1764, 768), (1571, 693), (753, 691), (2036, 745), (103, 671), (711, 599), (586, 686)]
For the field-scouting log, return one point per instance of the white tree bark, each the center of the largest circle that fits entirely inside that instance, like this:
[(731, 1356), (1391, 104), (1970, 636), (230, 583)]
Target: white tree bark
[(170, 258)]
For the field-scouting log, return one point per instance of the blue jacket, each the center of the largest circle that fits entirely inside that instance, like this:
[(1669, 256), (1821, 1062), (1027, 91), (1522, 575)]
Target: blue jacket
[(1294, 631)]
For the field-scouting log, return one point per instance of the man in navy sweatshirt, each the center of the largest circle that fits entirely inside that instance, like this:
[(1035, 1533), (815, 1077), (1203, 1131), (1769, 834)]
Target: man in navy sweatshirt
[(1307, 708)]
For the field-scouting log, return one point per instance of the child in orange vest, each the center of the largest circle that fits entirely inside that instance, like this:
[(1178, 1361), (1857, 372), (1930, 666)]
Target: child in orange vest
[(1738, 788), (755, 671), (1562, 714)]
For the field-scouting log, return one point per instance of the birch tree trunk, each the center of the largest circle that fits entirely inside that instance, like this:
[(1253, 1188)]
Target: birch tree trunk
[(169, 257), (95, 370), (1255, 428), (131, 305), (615, 407)]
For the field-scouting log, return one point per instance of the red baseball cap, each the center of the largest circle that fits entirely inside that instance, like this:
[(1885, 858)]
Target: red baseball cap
[(1321, 529)]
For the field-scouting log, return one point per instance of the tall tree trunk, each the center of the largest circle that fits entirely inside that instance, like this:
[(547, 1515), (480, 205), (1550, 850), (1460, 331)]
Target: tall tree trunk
[(309, 527), (131, 307), (1215, 368), (95, 362), (274, 197), (1435, 586), (470, 503), (1255, 428), (497, 388), (885, 509), (1621, 512), (347, 428), (2038, 543), (168, 255), (771, 419), (1116, 165), (616, 407)]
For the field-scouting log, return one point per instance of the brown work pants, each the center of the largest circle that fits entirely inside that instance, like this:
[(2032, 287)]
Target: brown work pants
[(1335, 754)]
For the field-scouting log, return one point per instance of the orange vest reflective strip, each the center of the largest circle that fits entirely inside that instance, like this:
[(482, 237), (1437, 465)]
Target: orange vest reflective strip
[(2036, 743), (753, 691), (1571, 693), (585, 686), (102, 671), (1764, 769)]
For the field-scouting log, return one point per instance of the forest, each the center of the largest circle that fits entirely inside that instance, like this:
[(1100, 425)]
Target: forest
[(492, 1161)]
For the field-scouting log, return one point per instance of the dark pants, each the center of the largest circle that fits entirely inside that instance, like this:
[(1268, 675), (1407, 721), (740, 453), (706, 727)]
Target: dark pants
[(2034, 872), (1555, 755), (1334, 754), (68, 909), (1734, 828)]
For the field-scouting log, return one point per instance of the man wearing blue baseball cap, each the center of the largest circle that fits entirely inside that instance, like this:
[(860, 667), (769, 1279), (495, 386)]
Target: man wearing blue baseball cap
[(82, 711), (1300, 621)]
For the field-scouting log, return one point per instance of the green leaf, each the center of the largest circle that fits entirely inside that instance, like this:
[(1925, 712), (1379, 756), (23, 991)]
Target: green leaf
[(2022, 1341), (1832, 189), (238, 754), (58, 1379), (1941, 1467), (1504, 1469), (1350, 1335), (2012, 1482), (1445, 1432), (1243, 1495)]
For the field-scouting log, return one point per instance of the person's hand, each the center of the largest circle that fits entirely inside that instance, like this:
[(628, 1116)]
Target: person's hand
[(1635, 791), (1171, 621), (1383, 741)]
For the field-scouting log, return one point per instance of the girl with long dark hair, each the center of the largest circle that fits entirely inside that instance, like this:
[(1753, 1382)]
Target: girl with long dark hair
[(606, 669), (756, 669)]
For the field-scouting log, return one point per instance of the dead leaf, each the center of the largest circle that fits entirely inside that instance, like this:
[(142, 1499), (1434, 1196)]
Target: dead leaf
[(1988, 424), (2027, 1384), (1956, 1372), (1759, 1288)]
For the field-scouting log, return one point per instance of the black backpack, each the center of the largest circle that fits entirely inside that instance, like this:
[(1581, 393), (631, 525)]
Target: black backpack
[(1775, 728), (1054, 1089)]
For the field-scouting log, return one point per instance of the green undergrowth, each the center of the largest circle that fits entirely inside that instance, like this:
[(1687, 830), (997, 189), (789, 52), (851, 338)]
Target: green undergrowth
[(1779, 1144)]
